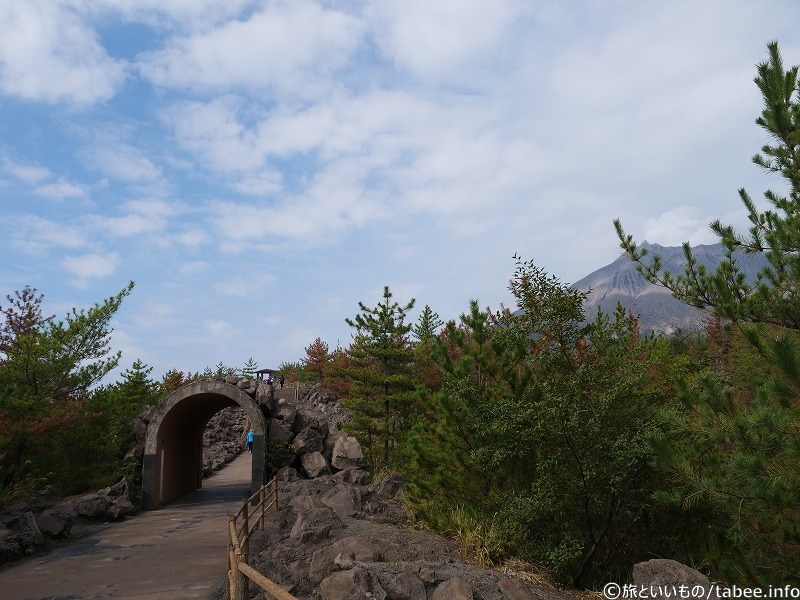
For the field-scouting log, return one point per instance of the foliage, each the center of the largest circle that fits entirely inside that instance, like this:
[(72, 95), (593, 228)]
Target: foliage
[(22, 316), (96, 450), (735, 441), (317, 358), (428, 325), (174, 379), (381, 394), (249, 369), (337, 369), (294, 371), (277, 455), (540, 427), (55, 359), (481, 541), (428, 328), (47, 368)]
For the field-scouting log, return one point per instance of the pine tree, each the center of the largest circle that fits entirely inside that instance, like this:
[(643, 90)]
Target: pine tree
[(428, 325), (426, 332), (22, 316), (173, 379), (317, 358), (736, 445), (47, 368), (249, 369), (381, 391), (538, 431)]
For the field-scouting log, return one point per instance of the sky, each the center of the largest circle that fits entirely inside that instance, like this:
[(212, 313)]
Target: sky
[(259, 167)]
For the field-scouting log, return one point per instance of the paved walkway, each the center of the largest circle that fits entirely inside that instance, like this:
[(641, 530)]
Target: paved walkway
[(176, 552)]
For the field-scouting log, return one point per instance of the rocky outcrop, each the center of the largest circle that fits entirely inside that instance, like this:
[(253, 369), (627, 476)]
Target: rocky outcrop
[(223, 439), (338, 540), (662, 577)]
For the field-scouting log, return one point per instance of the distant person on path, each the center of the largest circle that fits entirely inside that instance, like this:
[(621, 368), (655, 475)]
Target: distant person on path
[(250, 437), (281, 380), (270, 380)]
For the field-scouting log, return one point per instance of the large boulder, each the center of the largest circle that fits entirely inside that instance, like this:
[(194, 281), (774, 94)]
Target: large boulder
[(660, 574), (120, 508), (99, 507), (314, 525), (515, 589), (9, 545), (307, 418), (314, 464), (27, 531), (279, 432), (387, 487), (406, 586), (330, 440), (57, 522), (286, 413), (141, 422), (355, 584), (325, 560), (120, 489), (453, 589), (344, 500), (353, 476), (308, 440), (347, 454), (92, 506)]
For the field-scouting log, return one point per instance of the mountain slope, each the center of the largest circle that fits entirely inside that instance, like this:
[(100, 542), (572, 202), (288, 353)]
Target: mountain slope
[(656, 308)]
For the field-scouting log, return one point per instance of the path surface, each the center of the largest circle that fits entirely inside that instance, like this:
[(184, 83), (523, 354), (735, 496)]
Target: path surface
[(176, 552)]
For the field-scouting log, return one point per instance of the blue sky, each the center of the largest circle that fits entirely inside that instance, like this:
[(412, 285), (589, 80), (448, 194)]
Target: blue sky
[(258, 167)]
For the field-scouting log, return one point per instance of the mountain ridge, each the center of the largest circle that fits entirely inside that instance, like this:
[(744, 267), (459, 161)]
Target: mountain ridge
[(657, 310)]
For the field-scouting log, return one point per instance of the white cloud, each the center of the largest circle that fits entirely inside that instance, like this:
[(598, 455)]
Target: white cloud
[(444, 41), (49, 54), (193, 238), (38, 236), (212, 131), (124, 162), (153, 314), (678, 225), (262, 184), (284, 45), (132, 348), (91, 266), (37, 176), (195, 267), (62, 189), (243, 287), (29, 173), (220, 330), (155, 208), (143, 216), (128, 225), (168, 14)]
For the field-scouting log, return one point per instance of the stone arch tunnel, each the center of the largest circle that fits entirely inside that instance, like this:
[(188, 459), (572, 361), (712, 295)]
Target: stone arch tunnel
[(173, 446)]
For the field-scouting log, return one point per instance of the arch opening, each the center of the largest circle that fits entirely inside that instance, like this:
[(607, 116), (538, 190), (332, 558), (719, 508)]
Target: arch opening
[(173, 449)]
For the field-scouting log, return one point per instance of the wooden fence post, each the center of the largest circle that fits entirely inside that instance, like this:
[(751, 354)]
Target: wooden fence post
[(233, 587), (246, 545), (229, 574), (242, 586), (262, 494)]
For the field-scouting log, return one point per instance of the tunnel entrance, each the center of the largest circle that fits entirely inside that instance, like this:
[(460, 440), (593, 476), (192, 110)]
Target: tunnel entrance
[(173, 448)]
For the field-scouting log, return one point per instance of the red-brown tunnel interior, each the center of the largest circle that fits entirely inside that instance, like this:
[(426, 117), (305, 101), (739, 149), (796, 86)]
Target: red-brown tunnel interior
[(179, 456)]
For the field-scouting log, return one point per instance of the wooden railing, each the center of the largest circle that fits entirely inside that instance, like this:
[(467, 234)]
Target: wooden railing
[(240, 574)]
